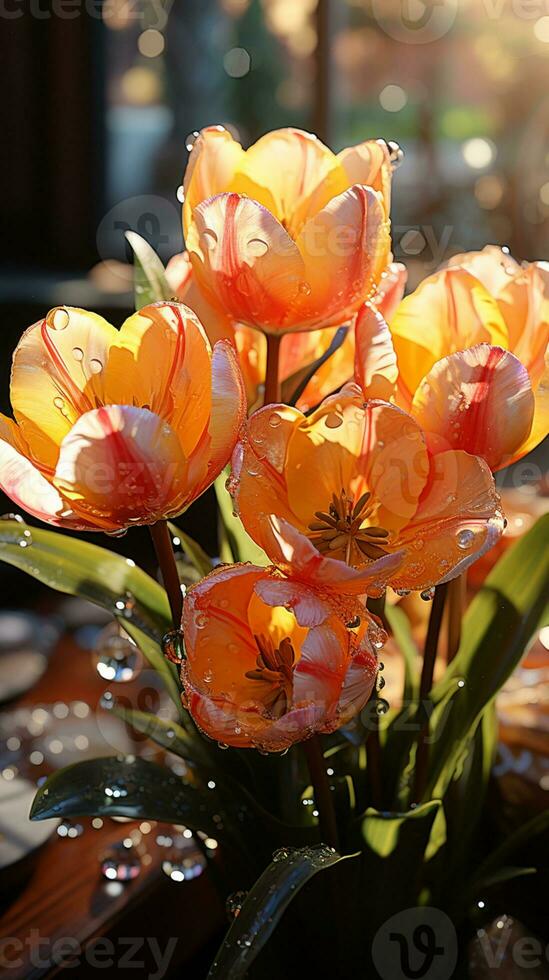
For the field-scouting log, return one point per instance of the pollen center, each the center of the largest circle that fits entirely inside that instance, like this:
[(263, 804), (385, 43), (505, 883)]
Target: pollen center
[(343, 531), (274, 667)]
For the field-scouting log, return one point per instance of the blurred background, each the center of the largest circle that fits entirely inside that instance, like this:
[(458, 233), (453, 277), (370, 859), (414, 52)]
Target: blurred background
[(99, 104)]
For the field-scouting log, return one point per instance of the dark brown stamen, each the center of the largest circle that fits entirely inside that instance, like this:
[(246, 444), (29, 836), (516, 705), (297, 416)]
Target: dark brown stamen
[(340, 529)]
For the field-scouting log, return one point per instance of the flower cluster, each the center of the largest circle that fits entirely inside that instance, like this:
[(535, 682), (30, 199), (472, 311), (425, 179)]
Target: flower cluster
[(374, 465)]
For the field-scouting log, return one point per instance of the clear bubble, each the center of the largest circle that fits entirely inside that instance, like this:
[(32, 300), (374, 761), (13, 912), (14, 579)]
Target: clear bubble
[(465, 538), (116, 656)]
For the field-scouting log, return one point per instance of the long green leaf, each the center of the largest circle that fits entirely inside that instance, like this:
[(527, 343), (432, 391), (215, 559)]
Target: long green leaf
[(241, 544), (264, 906), (168, 734), (77, 567), (201, 561), (143, 790), (150, 283), (496, 630)]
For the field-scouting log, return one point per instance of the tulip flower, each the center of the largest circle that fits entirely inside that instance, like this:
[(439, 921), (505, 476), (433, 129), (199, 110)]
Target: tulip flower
[(270, 661), (286, 235), (354, 487), (471, 347), (112, 427)]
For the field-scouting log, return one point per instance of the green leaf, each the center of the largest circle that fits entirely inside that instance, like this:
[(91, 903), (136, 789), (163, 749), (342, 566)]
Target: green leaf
[(201, 561), (142, 790), (496, 630), (525, 836), (150, 283), (240, 542), (265, 904), (77, 567)]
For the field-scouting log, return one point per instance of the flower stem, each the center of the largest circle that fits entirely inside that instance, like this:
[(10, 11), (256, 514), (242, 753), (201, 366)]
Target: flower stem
[(373, 746), (272, 379), (322, 792), (456, 604), (160, 534), (426, 683)]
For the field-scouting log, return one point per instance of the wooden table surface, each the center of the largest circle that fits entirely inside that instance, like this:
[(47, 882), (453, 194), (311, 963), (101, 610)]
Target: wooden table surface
[(67, 898)]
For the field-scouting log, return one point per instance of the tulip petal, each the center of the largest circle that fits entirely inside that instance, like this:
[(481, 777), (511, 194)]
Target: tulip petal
[(457, 521), (228, 411), (308, 606), (245, 261), (345, 248), (358, 682), (491, 266), (524, 302), (390, 290), (213, 162), (321, 668), (216, 323), (376, 368), (26, 486), (293, 174), (479, 400), (540, 423), (57, 374), (121, 464), (292, 551), (350, 445), (449, 311), (369, 163)]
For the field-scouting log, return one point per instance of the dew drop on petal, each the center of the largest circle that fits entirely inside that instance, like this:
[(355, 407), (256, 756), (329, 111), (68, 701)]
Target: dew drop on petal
[(274, 420), (333, 421), (78, 353), (58, 319), (304, 288), (428, 594), (173, 646), (257, 247), (96, 366), (201, 621), (180, 194), (465, 538), (191, 140), (209, 238)]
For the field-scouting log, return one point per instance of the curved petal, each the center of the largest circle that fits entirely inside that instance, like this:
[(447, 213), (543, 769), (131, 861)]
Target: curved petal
[(319, 674), (355, 446), (358, 681), (121, 465), (228, 411), (369, 163), (540, 423), (213, 162), (245, 261), (179, 273), (492, 266), (309, 607), (216, 323), (479, 400), (376, 368), (293, 174), (524, 302), (292, 551), (457, 521), (336, 371), (448, 311), (390, 290), (57, 374), (26, 486), (345, 248)]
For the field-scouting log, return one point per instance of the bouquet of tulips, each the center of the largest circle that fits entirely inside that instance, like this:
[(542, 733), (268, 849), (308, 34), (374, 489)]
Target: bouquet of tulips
[(352, 436)]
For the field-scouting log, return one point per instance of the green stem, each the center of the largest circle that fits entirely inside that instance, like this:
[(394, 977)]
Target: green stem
[(272, 378), (322, 791), (456, 604), (160, 534), (426, 683)]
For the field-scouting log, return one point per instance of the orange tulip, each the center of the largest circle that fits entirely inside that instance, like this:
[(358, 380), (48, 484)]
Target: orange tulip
[(350, 497), (270, 661), (471, 347), (118, 427), (286, 235)]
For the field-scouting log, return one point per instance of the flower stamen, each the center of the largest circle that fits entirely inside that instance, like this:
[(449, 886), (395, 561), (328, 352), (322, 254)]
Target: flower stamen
[(341, 527), (274, 666)]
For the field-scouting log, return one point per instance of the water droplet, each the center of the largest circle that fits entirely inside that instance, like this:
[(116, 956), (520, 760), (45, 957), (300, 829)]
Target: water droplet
[(180, 194), (174, 646), (354, 623), (465, 538), (257, 247), (201, 621), (58, 402), (78, 353), (184, 866), (116, 789), (382, 706), (282, 853), (120, 863), (58, 319), (396, 154), (232, 648), (209, 238), (304, 288), (222, 746), (234, 904), (254, 467), (191, 140), (96, 366), (69, 829), (274, 420), (428, 594), (116, 656), (381, 683), (333, 421), (402, 593)]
